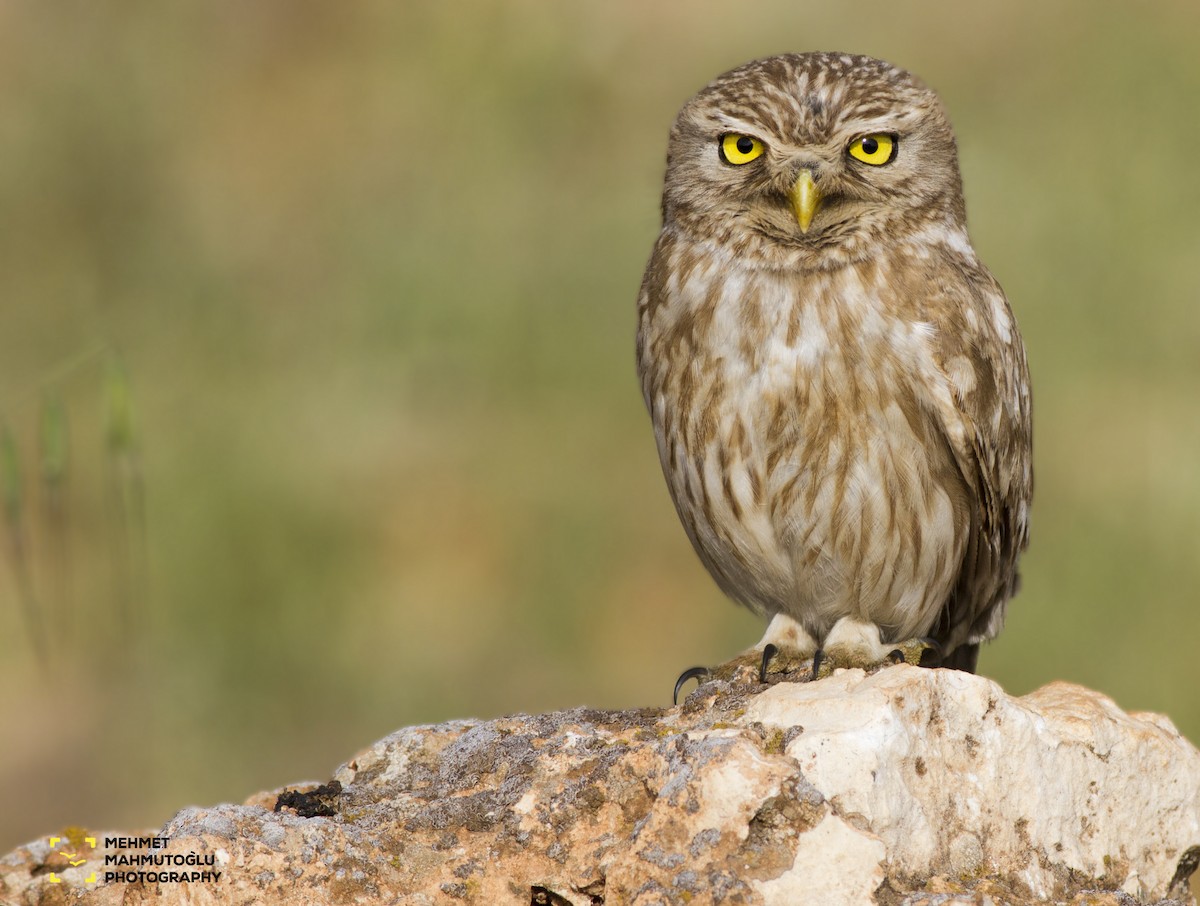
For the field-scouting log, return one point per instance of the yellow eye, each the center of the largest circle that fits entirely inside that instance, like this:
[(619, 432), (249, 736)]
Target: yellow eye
[(876, 149), (740, 149)]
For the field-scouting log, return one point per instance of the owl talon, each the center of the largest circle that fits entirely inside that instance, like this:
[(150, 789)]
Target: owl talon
[(920, 652), (769, 651), (932, 653), (819, 661), (696, 673)]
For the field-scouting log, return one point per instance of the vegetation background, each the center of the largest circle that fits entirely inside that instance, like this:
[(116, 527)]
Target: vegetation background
[(370, 269)]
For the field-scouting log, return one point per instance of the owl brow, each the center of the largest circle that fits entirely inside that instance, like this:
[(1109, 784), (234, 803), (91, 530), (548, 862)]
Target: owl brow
[(880, 117), (728, 124), (876, 126)]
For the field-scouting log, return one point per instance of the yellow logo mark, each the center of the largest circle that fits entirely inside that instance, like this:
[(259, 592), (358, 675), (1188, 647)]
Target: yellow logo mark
[(74, 859)]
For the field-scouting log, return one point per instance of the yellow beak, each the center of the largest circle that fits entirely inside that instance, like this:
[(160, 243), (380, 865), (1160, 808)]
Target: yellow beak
[(806, 198)]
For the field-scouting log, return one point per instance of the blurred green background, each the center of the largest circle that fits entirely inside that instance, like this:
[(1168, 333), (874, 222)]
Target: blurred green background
[(371, 270)]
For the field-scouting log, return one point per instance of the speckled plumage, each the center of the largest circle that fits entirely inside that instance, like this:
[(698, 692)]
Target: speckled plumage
[(842, 414)]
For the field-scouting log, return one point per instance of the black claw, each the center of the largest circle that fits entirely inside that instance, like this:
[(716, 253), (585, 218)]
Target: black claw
[(691, 673), (817, 658), (895, 656), (933, 653), (769, 651)]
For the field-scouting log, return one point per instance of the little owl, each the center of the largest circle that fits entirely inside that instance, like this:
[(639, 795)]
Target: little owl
[(837, 386)]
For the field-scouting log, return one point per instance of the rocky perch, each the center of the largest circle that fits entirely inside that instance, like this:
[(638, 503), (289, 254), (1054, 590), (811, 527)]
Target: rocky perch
[(910, 786)]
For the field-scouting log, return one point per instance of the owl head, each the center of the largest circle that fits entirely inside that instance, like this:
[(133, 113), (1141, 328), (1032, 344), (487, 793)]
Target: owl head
[(811, 160)]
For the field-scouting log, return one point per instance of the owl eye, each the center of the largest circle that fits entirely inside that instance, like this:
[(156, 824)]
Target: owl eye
[(876, 150), (740, 149)]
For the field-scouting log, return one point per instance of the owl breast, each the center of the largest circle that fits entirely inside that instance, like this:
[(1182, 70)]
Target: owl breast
[(798, 436)]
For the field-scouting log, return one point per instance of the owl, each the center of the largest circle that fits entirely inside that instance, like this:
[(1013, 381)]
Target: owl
[(838, 390)]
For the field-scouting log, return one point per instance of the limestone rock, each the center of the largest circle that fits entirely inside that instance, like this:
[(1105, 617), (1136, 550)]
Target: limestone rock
[(924, 787)]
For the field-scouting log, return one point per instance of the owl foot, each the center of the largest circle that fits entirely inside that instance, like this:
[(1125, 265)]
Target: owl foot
[(855, 643), (785, 664), (912, 651), (788, 653), (758, 666), (743, 670), (784, 654)]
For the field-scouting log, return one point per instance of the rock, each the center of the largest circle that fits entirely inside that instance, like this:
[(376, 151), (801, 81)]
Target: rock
[(913, 786)]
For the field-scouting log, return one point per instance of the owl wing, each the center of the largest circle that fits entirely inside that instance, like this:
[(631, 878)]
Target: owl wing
[(984, 414)]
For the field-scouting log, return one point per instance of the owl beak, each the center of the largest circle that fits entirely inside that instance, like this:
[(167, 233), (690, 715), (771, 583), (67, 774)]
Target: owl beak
[(806, 198)]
